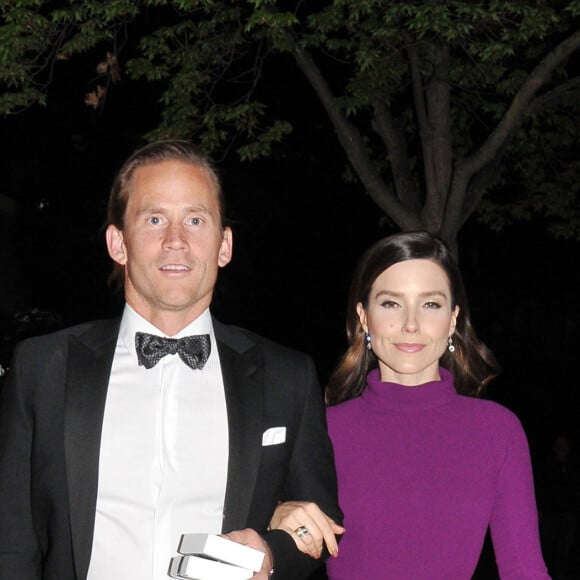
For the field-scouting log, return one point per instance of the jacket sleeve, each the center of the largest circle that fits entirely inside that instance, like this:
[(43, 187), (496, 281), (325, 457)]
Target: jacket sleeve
[(311, 477), (514, 519), (19, 551)]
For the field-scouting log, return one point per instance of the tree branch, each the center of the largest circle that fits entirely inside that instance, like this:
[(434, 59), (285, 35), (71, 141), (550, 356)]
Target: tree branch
[(476, 189), (565, 92), (466, 168), (422, 120), (354, 147), (393, 139), (438, 109)]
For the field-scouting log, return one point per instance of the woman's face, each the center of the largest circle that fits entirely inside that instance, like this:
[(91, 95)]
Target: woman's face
[(410, 318)]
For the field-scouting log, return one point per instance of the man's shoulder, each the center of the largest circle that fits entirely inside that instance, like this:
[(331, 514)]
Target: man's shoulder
[(94, 331), (242, 339)]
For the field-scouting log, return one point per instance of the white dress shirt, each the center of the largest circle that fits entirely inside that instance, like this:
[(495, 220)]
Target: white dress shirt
[(163, 457)]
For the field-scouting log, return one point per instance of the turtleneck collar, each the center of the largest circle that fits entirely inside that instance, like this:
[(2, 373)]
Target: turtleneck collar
[(393, 396)]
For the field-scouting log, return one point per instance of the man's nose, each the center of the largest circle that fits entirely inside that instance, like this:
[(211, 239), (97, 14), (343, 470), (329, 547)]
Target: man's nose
[(174, 237)]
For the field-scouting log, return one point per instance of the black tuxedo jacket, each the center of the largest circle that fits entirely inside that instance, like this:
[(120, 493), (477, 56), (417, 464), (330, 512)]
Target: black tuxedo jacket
[(51, 417)]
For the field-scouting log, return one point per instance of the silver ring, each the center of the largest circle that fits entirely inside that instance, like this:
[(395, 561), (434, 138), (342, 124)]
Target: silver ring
[(301, 531)]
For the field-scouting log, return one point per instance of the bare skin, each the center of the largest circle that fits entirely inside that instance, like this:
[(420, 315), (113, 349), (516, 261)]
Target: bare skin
[(410, 318), (172, 246), (172, 243), (290, 516), (251, 538)]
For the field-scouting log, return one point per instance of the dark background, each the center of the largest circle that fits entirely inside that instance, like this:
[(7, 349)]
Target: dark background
[(298, 231)]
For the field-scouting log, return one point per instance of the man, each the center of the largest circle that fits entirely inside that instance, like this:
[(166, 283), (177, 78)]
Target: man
[(114, 442)]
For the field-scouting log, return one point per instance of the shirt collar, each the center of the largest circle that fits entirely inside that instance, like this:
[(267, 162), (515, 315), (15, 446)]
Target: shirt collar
[(132, 322)]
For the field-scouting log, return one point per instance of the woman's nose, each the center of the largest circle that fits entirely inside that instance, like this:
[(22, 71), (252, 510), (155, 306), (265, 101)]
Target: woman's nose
[(410, 323)]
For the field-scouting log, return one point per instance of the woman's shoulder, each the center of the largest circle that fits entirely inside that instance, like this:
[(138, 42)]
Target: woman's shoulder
[(340, 415), (343, 408), (489, 413)]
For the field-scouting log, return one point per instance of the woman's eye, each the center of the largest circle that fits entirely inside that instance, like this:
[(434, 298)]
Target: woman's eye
[(434, 305), (389, 304)]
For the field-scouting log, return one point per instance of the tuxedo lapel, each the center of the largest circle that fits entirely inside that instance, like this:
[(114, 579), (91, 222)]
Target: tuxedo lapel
[(90, 357), (243, 383)]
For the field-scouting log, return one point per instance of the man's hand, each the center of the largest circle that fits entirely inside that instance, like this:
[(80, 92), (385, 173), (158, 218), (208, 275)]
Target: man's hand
[(251, 538), (308, 525)]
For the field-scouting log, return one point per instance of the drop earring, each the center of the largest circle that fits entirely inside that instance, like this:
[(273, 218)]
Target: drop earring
[(368, 340), (450, 345)]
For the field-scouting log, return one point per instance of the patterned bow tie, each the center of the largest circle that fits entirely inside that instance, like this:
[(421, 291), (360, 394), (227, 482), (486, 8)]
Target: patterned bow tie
[(193, 350)]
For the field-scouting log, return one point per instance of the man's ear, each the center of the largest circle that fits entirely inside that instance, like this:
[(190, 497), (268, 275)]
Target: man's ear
[(116, 245), (226, 248)]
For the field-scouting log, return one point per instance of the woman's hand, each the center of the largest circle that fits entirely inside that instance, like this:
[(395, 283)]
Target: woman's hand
[(308, 525)]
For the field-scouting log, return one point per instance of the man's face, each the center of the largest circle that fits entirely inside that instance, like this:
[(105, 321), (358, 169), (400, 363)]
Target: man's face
[(172, 243)]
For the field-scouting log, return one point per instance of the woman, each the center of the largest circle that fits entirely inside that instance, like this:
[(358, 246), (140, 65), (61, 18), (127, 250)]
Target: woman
[(423, 466)]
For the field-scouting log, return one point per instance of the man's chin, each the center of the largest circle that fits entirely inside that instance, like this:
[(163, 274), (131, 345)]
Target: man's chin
[(183, 302)]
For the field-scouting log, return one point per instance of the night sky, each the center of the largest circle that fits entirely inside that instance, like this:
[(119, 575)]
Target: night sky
[(298, 231)]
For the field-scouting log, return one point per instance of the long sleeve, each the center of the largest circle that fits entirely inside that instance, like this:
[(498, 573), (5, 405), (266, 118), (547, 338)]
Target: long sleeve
[(514, 518), (311, 477), (35, 515), (422, 474), (19, 552), (268, 387)]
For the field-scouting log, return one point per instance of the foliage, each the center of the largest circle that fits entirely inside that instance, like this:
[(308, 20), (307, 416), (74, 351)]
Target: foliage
[(441, 107)]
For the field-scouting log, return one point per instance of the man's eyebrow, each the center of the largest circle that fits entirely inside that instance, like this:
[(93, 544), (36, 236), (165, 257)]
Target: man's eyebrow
[(151, 209), (198, 208), (161, 209)]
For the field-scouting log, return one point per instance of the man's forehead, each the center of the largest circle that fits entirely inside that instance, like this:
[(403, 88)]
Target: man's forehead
[(165, 166), (155, 206), (163, 170)]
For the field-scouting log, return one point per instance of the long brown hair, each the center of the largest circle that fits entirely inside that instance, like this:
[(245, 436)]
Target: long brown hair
[(472, 364)]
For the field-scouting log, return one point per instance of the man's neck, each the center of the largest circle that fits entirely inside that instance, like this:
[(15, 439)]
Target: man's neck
[(168, 322)]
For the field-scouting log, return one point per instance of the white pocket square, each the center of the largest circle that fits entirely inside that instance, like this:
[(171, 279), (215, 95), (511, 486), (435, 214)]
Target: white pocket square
[(274, 436)]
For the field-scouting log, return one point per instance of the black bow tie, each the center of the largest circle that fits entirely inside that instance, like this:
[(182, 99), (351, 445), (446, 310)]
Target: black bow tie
[(193, 350)]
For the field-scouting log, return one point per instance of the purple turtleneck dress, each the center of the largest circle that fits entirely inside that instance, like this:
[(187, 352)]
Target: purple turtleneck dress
[(422, 472)]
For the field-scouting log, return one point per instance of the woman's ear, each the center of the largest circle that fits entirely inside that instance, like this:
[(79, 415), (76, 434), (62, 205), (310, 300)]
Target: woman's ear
[(362, 316), (454, 316)]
